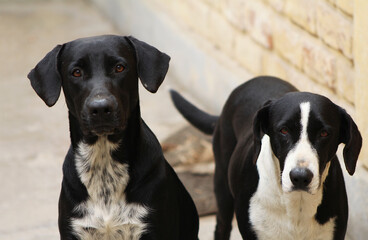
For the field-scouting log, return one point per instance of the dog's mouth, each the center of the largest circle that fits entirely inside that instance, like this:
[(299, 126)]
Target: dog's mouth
[(104, 130), (310, 189), (111, 124), (303, 190)]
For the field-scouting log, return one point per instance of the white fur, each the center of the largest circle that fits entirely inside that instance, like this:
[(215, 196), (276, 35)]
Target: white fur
[(302, 155), (276, 214), (106, 214)]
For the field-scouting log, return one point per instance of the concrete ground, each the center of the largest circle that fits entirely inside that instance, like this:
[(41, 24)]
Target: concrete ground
[(35, 138)]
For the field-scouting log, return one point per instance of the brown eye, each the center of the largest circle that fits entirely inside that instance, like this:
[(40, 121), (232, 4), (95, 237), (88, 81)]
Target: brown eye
[(77, 72), (284, 131), (119, 68), (324, 133)]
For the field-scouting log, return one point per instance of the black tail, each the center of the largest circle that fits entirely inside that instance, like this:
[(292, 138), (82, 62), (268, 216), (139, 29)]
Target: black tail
[(198, 118)]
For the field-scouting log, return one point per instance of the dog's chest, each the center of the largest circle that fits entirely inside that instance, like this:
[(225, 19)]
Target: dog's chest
[(106, 214), (276, 215)]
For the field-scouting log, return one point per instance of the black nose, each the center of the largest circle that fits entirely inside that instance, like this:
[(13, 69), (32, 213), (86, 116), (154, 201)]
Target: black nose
[(301, 177), (100, 107)]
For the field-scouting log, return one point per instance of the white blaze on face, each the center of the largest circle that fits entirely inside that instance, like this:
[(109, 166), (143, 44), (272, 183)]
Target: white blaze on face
[(302, 155)]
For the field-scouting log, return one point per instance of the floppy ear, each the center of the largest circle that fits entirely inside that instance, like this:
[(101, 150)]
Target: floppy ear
[(350, 135), (45, 77), (152, 64), (260, 125)]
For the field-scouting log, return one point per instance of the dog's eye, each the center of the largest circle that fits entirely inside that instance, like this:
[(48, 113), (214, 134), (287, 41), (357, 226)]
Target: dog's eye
[(324, 133), (119, 68), (284, 131), (77, 72)]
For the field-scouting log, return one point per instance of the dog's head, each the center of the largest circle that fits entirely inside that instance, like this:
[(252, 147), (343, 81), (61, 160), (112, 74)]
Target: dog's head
[(305, 130), (99, 76)]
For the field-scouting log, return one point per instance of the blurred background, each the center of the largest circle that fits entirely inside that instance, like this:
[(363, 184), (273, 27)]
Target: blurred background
[(215, 45)]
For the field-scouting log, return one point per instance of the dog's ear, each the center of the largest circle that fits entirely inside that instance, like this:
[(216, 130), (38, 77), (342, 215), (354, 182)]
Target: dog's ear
[(350, 136), (260, 126), (45, 77), (152, 64)]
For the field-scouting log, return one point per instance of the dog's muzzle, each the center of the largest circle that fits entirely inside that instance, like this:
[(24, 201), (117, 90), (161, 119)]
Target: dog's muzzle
[(301, 177), (101, 114)]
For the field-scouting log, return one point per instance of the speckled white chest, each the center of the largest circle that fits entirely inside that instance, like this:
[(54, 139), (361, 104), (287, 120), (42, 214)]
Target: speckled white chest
[(106, 214)]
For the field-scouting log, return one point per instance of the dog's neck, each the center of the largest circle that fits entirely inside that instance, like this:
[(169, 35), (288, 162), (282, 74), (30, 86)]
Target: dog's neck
[(135, 143), (132, 142)]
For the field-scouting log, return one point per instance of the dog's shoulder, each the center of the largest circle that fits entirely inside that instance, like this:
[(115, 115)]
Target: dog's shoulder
[(72, 188), (244, 175)]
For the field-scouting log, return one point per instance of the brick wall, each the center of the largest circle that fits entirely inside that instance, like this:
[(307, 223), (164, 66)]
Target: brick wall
[(318, 45), (307, 42)]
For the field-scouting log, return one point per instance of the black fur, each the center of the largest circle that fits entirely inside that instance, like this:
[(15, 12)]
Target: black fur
[(201, 120), (258, 107), (104, 101)]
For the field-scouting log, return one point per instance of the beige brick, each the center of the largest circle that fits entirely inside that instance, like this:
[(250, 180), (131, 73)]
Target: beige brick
[(282, 69), (180, 10), (260, 27), (299, 79), (361, 72), (278, 67), (278, 5), (252, 16), (215, 4), (248, 53), (273, 65), (198, 16), (345, 84), (335, 28), (302, 82), (233, 10), (306, 84), (221, 32), (288, 41), (346, 5), (332, 2), (319, 63), (192, 14), (303, 13)]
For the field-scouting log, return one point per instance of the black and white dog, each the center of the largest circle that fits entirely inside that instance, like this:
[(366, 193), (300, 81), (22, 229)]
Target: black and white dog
[(276, 165), (117, 183)]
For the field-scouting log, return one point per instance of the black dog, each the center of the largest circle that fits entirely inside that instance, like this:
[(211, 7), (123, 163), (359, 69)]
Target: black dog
[(276, 165), (116, 184)]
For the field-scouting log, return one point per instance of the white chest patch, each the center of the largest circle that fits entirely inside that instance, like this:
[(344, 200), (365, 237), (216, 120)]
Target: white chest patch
[(276, 214), (106, 214)]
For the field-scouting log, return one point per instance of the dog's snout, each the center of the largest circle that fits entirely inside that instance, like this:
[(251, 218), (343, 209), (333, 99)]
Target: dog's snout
[(301, 177), (100, 107), (101, 115)]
